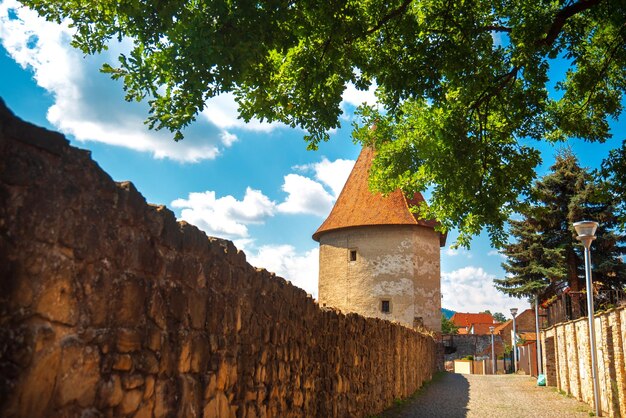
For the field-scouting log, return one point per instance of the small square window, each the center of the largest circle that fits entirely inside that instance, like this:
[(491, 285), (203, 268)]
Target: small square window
[(385, 306), (352, 255)]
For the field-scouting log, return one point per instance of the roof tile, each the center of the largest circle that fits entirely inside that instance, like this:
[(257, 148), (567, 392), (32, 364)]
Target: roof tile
[(461, 319)]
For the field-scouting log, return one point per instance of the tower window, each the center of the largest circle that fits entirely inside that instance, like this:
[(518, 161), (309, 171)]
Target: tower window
[(352, 255), (385, 306)]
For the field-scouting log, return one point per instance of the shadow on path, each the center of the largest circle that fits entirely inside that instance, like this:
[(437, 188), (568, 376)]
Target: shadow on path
[(452, 395), (447, 395)]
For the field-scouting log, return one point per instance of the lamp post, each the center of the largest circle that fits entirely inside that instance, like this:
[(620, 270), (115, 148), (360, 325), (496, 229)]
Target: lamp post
[(538, 343), (493, 352), (586, 231), (514, 340)]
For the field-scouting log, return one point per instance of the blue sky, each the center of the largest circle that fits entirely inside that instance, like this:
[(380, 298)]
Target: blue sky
[(252, 183)]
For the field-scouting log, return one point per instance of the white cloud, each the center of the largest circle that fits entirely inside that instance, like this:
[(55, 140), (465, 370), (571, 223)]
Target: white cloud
[(300, 268), (356, 97), (453, 252), (305, 196), (228, 139), (222, 112), (91, 107), (225, 216), (470, 289), (499, 39), (228, 217), (244, 243), (332, 173), (496, 253)]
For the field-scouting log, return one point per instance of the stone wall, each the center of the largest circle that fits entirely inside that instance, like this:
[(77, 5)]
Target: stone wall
[(396, 263), (471, 344), (109, 307), (567, 359)]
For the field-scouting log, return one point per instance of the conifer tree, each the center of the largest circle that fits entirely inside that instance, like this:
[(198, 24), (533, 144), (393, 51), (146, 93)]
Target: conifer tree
[(545, 256)]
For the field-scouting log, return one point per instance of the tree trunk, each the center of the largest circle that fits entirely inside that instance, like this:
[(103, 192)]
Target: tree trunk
[(575, 283)]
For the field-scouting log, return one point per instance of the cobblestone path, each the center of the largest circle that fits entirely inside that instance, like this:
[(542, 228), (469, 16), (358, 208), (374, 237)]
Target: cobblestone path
[(484, 396)]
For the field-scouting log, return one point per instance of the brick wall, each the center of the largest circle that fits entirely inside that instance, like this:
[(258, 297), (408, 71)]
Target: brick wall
[(567, 359), (109, 307)]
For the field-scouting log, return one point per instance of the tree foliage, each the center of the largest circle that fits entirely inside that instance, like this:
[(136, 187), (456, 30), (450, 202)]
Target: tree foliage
[(545, 256), (447, 326), (462, 84), (499, 317), (613, 171)]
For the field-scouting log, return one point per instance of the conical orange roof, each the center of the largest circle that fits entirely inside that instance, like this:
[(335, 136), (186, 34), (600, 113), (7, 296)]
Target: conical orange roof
[(358, 206)]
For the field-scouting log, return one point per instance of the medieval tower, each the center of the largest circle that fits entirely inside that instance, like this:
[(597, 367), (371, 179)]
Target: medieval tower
[(377, 258)]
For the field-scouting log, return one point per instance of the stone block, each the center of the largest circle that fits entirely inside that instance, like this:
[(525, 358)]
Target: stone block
[(58, 301), (154, 339), (190, 397), (149, 387), (177, 305), (145, 410), (122, 362), (130, 402), (158, 310), (130, 303), (197, 309), (128, 340), (33, 397), (164, 394), (217, 407), (133, 381), (199, 354), (146, 362), (184, 359), (211, 386), (110, 392), (79, 374), (168, 359)]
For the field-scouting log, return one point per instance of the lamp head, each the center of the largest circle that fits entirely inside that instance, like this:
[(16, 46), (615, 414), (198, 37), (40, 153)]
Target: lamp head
[(586, 231), (513, 312), (491, 329)]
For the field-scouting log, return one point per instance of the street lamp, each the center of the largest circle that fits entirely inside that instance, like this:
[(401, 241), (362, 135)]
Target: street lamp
[(493, 352), (586, 231), (514, 314), (538, 341)]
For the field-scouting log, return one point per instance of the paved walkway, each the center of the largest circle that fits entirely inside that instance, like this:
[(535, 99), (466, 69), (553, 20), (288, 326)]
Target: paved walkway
[(484, 396)]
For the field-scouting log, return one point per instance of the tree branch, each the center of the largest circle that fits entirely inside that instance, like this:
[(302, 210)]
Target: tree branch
[(487, 94), (496, 28), (562, 16), (392, 15), (551, 35)]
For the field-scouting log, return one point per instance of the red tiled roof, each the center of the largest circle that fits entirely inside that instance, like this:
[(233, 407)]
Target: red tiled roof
[(483, 329), (461, 319), (358, 206), (528, 336), (501, 326)]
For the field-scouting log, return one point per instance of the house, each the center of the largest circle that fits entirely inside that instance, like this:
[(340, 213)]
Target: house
[(473, 323), (524, 323)]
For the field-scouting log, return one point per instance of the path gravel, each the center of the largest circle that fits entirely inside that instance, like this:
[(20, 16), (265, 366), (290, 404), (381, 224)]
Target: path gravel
[(485, 396)]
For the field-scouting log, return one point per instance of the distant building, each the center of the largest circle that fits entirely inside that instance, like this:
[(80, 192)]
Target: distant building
[(377, 258), (473, 323), (524, 324)]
